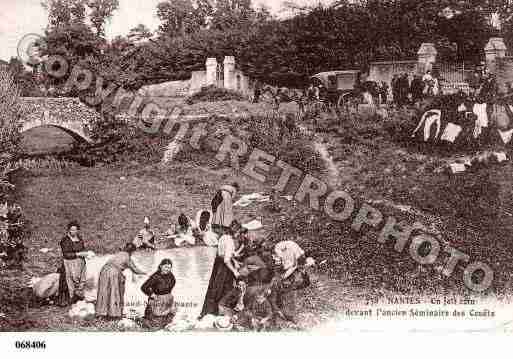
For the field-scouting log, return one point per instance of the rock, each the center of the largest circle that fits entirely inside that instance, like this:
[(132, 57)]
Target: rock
[(126, 323), (122, 178)]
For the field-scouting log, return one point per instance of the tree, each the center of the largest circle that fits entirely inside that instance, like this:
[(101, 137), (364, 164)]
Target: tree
[(100, 12), (64, 12), (231, 13), (177, 17), (140, 32)]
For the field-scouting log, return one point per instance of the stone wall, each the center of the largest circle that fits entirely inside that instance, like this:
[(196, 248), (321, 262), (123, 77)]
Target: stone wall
[(62, 109), (198, 80), (166, 89), (504, 71), (65, 112)]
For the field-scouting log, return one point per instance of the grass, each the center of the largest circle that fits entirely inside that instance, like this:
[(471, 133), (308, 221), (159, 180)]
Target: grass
[(110, 211), (355, 266)]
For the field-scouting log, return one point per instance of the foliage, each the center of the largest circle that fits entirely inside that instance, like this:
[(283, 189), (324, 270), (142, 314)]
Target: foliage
[(279, 52), (24, 80), (12, 232), (62, 13), (279, 136), (213, 94), (11, 114), (100, 12)]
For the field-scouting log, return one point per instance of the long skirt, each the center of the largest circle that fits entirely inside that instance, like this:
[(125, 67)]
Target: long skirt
[(63, 298), (75, 272), (221, 282), (111, 292), (159, 311)]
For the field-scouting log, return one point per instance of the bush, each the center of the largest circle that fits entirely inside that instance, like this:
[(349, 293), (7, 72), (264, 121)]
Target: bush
[(12, 232), (213, 94), (11, 114), (272, 133), (11, 225), (401, 124)]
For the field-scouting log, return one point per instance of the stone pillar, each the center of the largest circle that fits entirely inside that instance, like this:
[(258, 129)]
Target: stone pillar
[(426, 56), (211, 77), (495, 49), (230, 81)]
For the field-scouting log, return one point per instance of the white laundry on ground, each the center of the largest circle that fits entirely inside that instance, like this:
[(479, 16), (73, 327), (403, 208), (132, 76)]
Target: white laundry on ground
[(253, 225), (126, 323), (181, 323), (33, 281), (501, 156), (207, 322), (248, 199), (457, 167), (428, 119), (450, 133), (479, 110), (82, 310), (506, 135), (46, 286), (185, 238)]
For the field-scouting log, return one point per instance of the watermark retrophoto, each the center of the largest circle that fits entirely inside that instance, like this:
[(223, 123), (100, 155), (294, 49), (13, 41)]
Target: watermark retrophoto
[(255, 166)]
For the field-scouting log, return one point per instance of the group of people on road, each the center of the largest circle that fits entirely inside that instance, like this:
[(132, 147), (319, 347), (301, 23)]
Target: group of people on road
[(250, 281), (406, 91)]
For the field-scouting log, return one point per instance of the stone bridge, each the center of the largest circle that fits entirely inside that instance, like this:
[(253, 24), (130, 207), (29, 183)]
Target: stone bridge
[(67, 114)]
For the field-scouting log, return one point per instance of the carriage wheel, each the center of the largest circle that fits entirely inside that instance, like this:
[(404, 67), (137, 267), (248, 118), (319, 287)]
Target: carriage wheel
[(267, 97), (345, 102)]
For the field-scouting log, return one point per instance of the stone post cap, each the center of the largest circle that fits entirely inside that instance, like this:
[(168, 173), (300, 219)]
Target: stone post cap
[(427, 49), (229, 60), (495, 44), (211, 61)]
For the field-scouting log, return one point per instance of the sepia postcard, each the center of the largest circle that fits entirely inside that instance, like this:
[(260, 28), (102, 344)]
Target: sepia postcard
[(255, 166)]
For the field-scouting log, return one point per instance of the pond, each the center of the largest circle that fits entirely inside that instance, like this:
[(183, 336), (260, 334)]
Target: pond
[(191, 267)]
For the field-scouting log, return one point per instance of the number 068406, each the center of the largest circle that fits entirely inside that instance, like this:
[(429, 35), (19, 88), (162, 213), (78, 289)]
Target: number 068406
[(30, 345)]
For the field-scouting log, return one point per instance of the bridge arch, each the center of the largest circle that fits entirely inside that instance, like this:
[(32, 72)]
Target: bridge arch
[(78, 136), (67, 114)]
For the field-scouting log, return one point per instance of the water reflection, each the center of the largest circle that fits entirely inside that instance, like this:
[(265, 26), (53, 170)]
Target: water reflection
[(191, 267)]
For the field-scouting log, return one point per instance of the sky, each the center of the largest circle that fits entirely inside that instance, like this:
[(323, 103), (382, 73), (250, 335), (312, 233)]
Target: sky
[(21, 17)]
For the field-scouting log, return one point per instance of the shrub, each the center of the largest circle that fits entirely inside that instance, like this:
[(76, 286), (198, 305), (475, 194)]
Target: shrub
[(272, 133), (213, 94), (11, 115), (12, 232)]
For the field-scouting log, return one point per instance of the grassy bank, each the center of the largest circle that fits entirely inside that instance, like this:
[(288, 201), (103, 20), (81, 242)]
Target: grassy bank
[(111, 200)]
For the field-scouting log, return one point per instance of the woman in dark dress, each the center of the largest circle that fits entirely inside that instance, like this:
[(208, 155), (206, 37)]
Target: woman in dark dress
[(160, 308), (73, 269), (223, 273)]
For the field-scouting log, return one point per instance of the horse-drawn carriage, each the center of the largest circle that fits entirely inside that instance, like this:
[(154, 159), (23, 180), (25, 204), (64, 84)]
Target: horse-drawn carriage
[(340, 90), (345, 88)]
